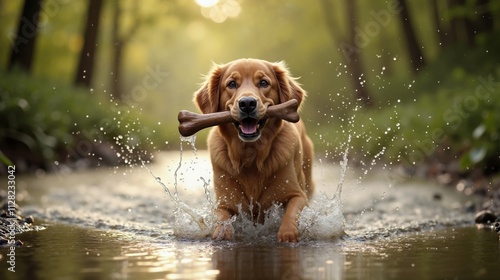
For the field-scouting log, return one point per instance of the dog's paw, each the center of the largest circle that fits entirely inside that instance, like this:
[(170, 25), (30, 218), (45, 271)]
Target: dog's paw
[(288, 233), (223, 232)]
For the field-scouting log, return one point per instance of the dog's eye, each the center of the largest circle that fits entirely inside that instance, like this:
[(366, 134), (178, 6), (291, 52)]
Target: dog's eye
[(263, 83), (232, 84)]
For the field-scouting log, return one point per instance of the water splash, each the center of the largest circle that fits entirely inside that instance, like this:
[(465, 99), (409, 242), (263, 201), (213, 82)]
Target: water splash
[(321, 220), (188, 221), (191, 140), (343, 169), (247, 229)]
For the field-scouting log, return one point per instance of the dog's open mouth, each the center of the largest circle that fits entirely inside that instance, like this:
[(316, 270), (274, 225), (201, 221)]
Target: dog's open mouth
[(249, 128)]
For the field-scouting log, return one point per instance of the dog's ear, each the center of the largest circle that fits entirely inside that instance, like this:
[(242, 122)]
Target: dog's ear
[(288, 86), (207, 97)]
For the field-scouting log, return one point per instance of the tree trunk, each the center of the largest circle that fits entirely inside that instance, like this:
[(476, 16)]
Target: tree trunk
[(481, 22), (414, 50), (438, 23), (24, 43), (485, 22), (351, 52), (118, 45), (331, 23), (470, 32), (87, 55), (355, 65), (452, 36)]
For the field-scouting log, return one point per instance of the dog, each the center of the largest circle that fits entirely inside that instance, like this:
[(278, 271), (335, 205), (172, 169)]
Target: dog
[(257, 161)]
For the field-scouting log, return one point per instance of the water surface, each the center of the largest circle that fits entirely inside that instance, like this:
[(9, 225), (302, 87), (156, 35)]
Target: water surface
[(70, 252), (118, 223)]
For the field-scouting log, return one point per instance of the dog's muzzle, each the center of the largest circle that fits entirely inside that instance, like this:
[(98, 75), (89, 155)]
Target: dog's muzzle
[(249, 124)]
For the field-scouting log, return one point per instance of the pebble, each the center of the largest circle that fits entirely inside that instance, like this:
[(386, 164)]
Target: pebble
[(437, 196), (29, 219), (485, 217)]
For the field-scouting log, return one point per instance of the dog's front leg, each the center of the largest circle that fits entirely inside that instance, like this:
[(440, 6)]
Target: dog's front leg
[(223, 231), (289, 231)]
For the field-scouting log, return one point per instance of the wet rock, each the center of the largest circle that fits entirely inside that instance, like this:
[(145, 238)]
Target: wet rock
[(11, 221), (485, 217), (437, 196), (29, 220), (496, 226)]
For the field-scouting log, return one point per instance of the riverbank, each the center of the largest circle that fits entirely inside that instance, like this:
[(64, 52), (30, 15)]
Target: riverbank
[(12, 224), (472, 183)]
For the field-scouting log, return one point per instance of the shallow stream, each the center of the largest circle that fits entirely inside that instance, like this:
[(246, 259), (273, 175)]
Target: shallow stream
[(120, 224)]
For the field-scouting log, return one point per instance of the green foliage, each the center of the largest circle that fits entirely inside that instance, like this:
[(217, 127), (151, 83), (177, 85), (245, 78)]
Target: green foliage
[(51, 121), (4, 159), (454, 116), (411, 121)]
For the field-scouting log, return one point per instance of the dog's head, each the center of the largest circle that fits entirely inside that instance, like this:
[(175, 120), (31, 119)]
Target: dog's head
[(246, 87)]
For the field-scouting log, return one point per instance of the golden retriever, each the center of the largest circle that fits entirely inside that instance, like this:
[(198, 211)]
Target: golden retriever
[(257, 161)]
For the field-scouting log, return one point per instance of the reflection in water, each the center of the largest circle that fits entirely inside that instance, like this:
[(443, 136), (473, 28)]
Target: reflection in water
[(279, 262), (62, 252)]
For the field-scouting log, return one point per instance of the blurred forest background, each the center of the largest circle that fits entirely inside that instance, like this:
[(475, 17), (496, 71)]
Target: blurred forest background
[(413, 82)]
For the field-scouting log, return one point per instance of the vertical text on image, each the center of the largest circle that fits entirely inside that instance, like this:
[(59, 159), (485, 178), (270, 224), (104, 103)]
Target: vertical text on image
[(12, 215)]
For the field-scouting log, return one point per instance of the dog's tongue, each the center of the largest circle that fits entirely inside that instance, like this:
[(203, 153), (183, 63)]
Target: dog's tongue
[(248, 126)]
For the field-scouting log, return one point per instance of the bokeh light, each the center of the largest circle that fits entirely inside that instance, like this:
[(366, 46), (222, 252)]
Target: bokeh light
[(219, 11)]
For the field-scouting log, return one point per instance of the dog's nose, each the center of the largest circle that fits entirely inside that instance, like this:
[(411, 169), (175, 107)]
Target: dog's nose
[(247, 104)]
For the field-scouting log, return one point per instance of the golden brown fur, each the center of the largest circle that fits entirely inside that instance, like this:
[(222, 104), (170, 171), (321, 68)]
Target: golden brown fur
[(256, 165)]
